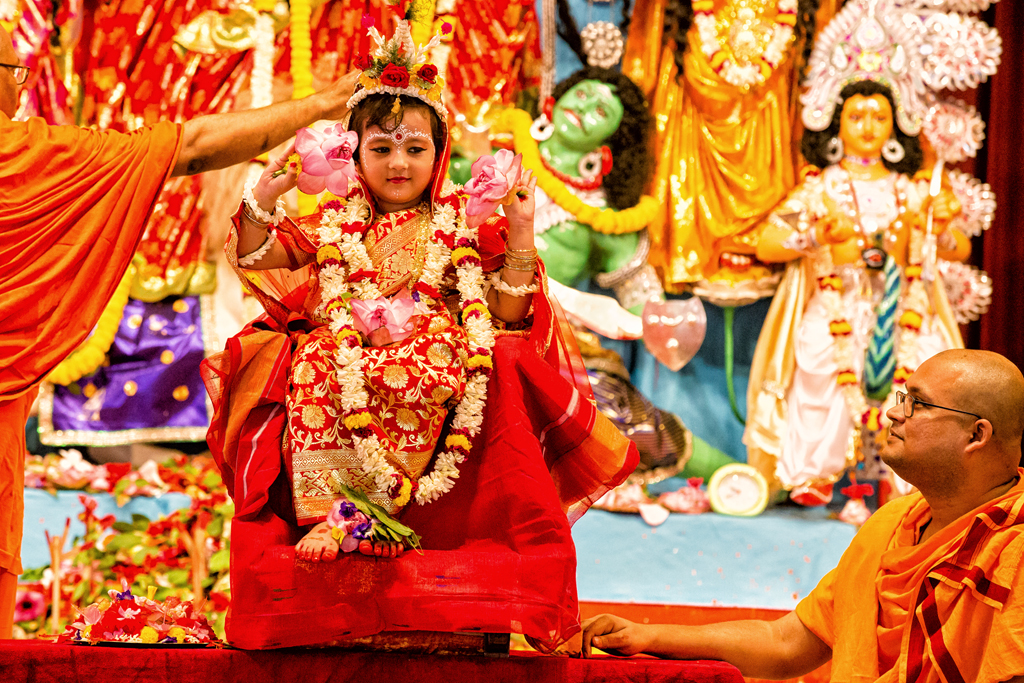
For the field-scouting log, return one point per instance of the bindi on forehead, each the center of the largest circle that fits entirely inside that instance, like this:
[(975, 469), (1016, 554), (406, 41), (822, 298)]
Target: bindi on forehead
[(399, 137)]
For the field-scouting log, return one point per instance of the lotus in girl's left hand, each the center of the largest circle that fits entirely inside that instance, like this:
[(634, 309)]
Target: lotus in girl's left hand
[(326, 159), (494, 182)]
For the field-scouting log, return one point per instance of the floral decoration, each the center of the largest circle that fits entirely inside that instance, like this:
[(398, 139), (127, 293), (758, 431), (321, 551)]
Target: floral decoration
[(326, 159), (723, 55), (177, 557), (914, 302), (398, 67), (129, 618)]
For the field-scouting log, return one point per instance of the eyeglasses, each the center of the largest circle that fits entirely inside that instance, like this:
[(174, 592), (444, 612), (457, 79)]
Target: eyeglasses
[(20, 72), (909, 402)]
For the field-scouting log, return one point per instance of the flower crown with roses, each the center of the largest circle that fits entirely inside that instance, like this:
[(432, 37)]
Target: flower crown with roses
[(399, 67)]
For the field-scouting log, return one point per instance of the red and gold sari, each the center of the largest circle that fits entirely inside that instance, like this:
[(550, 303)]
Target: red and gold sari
[(411, 383)]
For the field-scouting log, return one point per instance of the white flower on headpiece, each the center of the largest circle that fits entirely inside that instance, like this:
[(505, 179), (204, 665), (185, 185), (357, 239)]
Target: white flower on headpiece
[(955, 130)]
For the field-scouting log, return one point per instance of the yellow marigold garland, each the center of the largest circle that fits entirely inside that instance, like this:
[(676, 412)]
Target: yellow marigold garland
[(89, 355), (604, 221), (302, 72)]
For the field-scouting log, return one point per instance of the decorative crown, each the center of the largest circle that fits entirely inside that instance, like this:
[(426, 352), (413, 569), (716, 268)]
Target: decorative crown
[(866, 41), (399, 67)]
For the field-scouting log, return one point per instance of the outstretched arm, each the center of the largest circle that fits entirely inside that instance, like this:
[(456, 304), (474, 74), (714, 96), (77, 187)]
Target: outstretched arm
[(221, 140), (519, 213), (784, 648)]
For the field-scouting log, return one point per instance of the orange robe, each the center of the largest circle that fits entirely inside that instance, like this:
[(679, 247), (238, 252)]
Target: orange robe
[(73, 205), (949, 609)]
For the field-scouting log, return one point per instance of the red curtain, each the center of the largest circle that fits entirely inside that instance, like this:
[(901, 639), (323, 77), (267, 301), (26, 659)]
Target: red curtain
[(1001, 250)]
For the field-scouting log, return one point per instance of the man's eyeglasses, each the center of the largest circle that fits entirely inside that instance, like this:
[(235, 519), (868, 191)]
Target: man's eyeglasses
[(20, 72), (909, 403)]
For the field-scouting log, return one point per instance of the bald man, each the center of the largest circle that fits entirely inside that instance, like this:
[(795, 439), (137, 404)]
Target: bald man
[(73, 205), (930, 588)]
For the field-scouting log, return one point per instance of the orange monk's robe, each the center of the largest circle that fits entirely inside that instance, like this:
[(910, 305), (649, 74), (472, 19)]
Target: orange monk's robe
[(950, 609), (73, 205)]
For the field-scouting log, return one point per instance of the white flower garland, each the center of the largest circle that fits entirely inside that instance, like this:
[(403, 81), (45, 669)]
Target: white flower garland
[(261, 215), (252, 257), (724, 62), (495, 282), (337, 282)]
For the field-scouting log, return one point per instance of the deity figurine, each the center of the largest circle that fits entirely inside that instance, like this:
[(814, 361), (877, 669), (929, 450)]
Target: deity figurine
[(860, 306), (720, 77), (589, 151)]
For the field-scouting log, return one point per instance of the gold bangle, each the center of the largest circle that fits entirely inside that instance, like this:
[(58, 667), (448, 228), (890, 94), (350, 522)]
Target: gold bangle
[(520, 260), (523, 267), (516, 252)]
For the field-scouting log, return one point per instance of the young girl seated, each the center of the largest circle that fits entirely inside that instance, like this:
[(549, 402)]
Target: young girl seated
[(410, 361)]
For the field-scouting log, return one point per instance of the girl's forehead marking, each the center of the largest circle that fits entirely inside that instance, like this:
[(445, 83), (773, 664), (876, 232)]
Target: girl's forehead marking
[(399, 136)]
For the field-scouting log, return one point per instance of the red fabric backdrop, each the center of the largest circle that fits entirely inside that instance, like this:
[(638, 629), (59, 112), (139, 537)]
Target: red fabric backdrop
[(1001, 250)]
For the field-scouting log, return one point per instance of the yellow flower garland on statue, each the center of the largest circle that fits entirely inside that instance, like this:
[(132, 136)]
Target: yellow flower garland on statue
[(90, 354), (604, 221)]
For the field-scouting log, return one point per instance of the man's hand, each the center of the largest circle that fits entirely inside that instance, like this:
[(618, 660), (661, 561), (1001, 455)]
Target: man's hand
[(615, 635), (220, 140), (337, 95)]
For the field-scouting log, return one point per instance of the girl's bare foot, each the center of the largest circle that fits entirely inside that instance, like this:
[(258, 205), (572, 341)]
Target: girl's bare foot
[(318, 545)]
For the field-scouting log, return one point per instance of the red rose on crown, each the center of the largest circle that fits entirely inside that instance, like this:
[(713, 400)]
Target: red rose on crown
[(428, 72), (395, 76), (363, 62)]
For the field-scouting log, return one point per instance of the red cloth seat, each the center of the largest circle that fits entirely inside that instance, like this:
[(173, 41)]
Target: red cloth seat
[(498, 558)]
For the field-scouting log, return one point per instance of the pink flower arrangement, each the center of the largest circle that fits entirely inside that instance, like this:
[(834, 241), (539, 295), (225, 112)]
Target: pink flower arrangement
[(494, 182), (326, 159)]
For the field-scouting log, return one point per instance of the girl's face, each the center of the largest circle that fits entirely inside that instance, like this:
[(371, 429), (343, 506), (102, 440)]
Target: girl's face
[(399, 165)]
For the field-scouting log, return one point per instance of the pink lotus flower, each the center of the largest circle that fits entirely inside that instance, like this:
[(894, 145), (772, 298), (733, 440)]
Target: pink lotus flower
[(396, 315), (493, 183), (326, 159)]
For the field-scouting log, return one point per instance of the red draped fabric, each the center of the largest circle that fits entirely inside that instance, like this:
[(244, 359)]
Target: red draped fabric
[(39, 661)]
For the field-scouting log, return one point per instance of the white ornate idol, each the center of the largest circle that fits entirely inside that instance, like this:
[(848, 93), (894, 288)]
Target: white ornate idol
[(744, 49)]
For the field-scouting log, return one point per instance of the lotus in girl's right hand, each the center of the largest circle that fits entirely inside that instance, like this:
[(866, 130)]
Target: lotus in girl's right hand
[(326, 159)]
